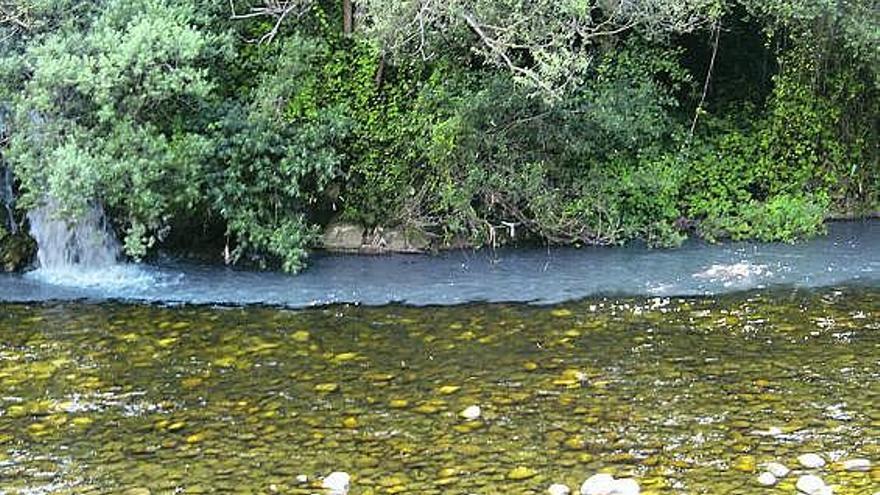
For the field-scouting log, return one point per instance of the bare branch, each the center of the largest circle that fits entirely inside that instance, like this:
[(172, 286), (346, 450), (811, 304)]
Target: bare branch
[(278, 9), (501, 52)]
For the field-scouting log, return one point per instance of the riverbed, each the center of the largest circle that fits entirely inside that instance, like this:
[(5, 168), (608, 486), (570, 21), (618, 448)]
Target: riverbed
[(469, 372), (688, 395)]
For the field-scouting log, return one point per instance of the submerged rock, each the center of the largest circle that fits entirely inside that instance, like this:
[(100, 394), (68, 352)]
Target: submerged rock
[(813, 485), (598, 484), (811, 461), (605, 484), (472, 413), (521, 473), (859, 465), (767, 479), (559, 489), (746, 464), (777, 469), (337, 483), (627, 486)]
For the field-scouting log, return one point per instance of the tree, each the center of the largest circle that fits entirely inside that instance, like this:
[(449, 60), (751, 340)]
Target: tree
[(548, 45), (103, 114)]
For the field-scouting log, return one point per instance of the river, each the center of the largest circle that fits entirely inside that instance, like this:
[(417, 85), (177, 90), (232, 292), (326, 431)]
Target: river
[(687, 370)]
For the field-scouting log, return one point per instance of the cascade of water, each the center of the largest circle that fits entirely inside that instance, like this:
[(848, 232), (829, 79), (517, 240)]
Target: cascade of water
[(86, 242), (7, 199), (84, 253)]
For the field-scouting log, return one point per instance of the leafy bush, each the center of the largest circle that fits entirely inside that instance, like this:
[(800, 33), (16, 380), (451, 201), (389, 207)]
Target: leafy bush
[(164, 113), (104, 115), (783, 218)]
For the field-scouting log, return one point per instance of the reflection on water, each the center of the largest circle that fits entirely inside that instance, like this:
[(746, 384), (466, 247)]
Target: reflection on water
[(686, 395)]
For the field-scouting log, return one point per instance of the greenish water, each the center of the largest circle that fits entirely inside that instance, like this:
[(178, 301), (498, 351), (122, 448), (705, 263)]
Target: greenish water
[(678, 393)]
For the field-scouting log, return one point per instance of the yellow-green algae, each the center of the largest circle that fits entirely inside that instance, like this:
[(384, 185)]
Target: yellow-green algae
[(678, 393)]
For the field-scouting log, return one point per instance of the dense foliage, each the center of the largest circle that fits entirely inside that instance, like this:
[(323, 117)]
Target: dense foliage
[(572, 122)]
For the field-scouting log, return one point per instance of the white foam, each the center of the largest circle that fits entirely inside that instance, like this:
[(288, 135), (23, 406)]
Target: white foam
[(84, 253), (118, 277), (743, 271)]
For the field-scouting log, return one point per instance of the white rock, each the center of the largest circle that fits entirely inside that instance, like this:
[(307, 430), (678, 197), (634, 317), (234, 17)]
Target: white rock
[(811, 461), (766, 479), (472, 413), (626, 486), (301, 479), (812, 485), (777, 469), (558, 489), (773, 431), (598, 484), (857, 465), (337, 483)]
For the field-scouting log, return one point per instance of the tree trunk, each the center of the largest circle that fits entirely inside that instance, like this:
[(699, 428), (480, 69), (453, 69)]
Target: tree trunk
[(347, 17)]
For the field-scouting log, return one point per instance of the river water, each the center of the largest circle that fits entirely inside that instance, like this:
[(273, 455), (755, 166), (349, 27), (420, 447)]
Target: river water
[(849, 254), (720, 359)]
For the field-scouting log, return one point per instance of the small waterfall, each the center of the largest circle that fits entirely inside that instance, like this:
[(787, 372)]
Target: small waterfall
[(85, 243), (82, 252), (7, 198)]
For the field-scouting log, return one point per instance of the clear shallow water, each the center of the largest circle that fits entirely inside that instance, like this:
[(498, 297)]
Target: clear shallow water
[(689, 396), (849, 254)]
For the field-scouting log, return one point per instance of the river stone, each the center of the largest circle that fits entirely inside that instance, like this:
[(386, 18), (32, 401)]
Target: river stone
[(471, 413), (521, 473), (559, 489), (598, 484), (860, 465), (626, 486), (811, 461), (777, 469), (766, 479), (343, 237), (337, 483), (812, 485)]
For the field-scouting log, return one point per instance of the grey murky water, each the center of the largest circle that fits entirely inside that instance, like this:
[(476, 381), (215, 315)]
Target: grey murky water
[(849, 254)]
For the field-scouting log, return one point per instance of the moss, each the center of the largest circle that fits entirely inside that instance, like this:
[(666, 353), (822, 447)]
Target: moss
[(17, 251)]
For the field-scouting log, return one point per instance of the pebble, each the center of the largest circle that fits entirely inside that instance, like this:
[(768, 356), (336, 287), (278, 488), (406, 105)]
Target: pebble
[(812, 485), (777, 469), (861, 465), (521, 473), (471, 413), (559, 489), (598, 484), (811, 461), (337, 483), (626, 486), (301, 479), (767, 479)]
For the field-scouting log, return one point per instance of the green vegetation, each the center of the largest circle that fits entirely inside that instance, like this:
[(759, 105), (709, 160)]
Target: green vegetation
[(572, 122)]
